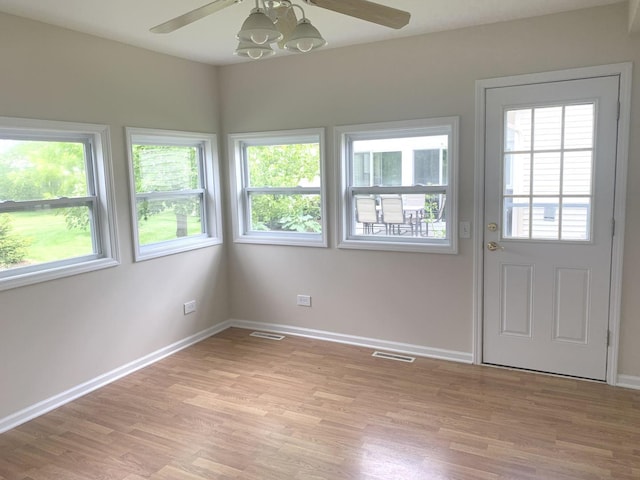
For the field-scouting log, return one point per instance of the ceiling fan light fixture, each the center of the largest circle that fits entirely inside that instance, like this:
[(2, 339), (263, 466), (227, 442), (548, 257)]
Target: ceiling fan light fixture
[(305, 38), (253, 50), (259, 29)]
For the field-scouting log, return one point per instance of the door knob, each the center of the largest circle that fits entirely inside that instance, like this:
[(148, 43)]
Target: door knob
[(493, 246)]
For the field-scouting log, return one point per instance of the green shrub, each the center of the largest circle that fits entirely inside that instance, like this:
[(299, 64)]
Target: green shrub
[(13, 248)]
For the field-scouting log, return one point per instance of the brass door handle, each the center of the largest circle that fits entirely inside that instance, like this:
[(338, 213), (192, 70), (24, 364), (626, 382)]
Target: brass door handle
[(493, 246)]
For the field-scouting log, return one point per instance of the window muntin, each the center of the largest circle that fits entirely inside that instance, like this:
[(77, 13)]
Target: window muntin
[(422, 178), (548, 172), (174, 179), (280, 192), (56, 214)]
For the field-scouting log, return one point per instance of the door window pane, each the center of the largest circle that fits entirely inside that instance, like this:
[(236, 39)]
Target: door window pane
[(547, 131), (576, 178), (517, 174), (546, 173), (545, 218), (518, 130), (576, 218), (516, 217), (579, 126)]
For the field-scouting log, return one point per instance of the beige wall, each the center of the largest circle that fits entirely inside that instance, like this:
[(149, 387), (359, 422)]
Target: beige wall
[(423, 299), (59, 334)]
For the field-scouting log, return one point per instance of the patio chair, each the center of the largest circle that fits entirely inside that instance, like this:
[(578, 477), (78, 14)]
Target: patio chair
[(393, 215), (366, 213)]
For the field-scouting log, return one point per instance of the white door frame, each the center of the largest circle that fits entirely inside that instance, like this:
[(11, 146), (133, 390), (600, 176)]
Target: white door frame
[(622, 160)]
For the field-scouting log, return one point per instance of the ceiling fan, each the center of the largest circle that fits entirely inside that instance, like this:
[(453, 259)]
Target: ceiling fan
[(274, 21)]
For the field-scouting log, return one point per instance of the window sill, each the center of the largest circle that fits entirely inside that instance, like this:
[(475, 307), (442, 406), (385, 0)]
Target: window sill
[(293, 240), (445, 247), (158, 250), (32, 278)]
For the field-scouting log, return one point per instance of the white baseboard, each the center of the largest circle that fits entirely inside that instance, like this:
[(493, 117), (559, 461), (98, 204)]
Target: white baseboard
[(374, 343), (40, 408), (628, 381)]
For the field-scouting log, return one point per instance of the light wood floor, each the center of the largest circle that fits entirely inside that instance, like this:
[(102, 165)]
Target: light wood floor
[(239, 407)]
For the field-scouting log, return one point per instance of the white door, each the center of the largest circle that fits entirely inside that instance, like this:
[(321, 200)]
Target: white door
[(549, 200)]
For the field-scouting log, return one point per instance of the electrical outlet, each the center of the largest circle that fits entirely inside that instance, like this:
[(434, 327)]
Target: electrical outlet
[(304, 300), (189, 307)]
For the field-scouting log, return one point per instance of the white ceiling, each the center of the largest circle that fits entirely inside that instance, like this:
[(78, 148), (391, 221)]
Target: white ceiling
[(212, 39)]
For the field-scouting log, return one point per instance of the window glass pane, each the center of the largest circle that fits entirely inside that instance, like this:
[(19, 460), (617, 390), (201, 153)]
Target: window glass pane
[(546, 173), (433, 219), (161, 168), (518, 130), (547, 132), (414, 214), (37, 170), (44, 235), (545, 221), (428, 169), (387, 169), (517, 174), (289, 165), (576, 218), (285, 213), (362, 169), (160, 220), (516, 217), (402, 161), (576, 179), (578, 129)]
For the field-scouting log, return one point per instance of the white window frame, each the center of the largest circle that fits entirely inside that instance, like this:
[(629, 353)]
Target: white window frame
[(240, 190), (209, 189), (344, 136), (100, 198)]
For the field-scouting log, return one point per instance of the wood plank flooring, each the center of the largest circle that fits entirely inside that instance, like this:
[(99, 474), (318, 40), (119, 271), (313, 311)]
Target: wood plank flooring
[(240, 407)]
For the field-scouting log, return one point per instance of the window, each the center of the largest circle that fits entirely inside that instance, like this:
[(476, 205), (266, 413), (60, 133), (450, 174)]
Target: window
[(279, 188), (56, 212), (399, 185), (175, 192), (548, 172)]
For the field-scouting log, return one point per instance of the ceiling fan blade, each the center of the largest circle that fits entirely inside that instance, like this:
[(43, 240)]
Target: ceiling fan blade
[(365, 10), (192, 16)]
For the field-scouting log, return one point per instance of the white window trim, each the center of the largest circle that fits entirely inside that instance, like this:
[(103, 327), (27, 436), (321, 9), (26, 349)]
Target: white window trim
[(239, 220), (212, 193), (430, 126), (106, 229)]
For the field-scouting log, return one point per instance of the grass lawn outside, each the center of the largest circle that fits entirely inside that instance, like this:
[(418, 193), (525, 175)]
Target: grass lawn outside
[(162, 227), (49, 239), (48, 236)]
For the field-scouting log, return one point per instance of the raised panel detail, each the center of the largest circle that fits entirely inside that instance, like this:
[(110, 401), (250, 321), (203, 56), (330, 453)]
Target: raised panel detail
[(516, 294), (571, 309)]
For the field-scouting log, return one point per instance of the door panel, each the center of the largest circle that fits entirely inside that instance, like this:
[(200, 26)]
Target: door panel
[(549, 187)]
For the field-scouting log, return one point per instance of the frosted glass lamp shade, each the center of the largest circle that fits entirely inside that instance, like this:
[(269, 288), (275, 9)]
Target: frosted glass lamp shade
[(253, 50), (305, 38), (259, 29)]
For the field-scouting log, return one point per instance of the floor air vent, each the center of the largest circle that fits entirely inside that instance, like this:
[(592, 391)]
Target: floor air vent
[(268, 336), (394, 356)]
